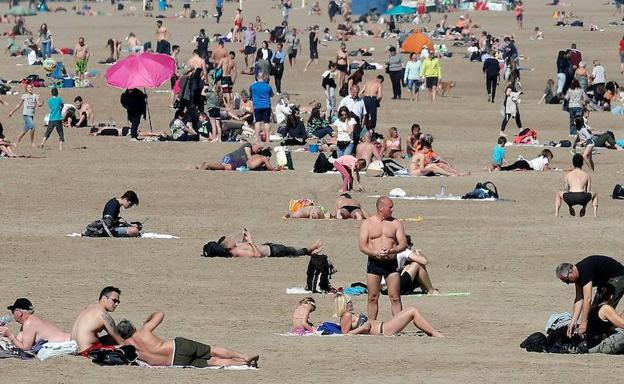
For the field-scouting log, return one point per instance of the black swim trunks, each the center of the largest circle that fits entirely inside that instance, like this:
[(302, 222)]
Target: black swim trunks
[(381, 267), (577, 198), (341, 67), (350, 208)]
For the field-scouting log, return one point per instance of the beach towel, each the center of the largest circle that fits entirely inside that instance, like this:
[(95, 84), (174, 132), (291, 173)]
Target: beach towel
[(446, 294), (297, 291), (143, 364), (50, 350), (446, 198), (146, 235)]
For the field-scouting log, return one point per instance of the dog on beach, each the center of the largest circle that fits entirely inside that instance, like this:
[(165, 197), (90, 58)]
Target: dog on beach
[(445, 86)]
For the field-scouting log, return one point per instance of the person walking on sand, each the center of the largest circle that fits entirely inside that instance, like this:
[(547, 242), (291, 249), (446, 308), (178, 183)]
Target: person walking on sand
[(381, 238), (29, 101), (55, 121)]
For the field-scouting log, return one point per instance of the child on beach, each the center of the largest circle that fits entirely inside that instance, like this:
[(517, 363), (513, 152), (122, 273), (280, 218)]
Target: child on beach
[(498, 155), (349, 166), (30, 102), (55, 120), (301, 317)]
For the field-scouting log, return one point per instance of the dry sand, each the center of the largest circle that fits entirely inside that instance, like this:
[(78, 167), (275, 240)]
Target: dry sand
[(504, 253)]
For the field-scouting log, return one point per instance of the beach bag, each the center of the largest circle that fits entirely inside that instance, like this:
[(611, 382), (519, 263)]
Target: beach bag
[(526, 136), (375, 169), (328, 328), (320, 270), (536, 342), (618, 192), (322, 164), (482, 191), (391, 167), (124, 355), (100, 228), (343, 92)]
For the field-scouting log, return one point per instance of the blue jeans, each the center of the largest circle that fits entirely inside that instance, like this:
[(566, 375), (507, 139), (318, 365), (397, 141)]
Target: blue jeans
[(322, 132), (574, 113), (46, 49), (347, 151)]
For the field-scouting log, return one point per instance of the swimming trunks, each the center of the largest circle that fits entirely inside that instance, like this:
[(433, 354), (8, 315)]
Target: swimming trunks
[(234, 163), (350, 208), (190, 353), (407, 284), (341, 67), (81, 66), (577, 198), (381, 267), (95, 347), (226, 84)]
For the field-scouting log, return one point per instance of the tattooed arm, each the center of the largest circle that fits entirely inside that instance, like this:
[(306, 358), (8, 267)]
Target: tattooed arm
[(109, 325)]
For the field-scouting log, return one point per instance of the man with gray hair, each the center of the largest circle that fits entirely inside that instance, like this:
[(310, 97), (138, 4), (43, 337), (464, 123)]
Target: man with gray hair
[(592, 271)]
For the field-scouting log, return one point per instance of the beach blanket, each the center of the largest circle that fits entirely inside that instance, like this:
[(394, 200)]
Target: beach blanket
[(143, 364), (445, 294), (297, 334), (50, 350), (146, 235), (445, 197)]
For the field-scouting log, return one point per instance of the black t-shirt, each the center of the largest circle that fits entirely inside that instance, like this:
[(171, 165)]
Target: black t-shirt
[(598, 270), (202, 44), (112, 209), (313, 42), (491, 67)]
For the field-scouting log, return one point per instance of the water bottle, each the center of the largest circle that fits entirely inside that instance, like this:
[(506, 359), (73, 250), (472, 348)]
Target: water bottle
[(442, 192), (6, 319)]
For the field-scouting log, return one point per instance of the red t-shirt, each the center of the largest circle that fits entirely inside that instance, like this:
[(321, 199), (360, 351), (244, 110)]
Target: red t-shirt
[(622, 45)]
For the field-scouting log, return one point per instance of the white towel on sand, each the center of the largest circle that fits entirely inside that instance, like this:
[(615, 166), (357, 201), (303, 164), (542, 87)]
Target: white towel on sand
[(49, 349), (143, 364), (146, 235), (446, 197)]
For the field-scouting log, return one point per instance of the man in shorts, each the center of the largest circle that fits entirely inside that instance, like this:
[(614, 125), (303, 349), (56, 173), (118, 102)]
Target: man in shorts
[(577, 185), (112, 209), (381, 238), (261, 94), (180, 351), (248, 155), (249, 42), (81, 55), (228, 65), (30, 101), (314, 42)]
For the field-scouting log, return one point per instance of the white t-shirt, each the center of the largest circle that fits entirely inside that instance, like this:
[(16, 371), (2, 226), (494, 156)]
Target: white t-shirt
[(343, 129), (30, 104), (403, 257), (538, 163), (598, 73)]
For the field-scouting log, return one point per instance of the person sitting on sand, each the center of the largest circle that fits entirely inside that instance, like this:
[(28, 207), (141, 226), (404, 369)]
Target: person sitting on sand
[(349, 208), (5, 145), (392, 144), (112, 210), (94, 319), (226, 247), (248, 155), (352, 324), (181, 131), (413, 140), (301, 324), (540, 163), (179, 352), (412, 265), (427, 162), (34, 329), (366, 149), (605, 327), (577, 185)]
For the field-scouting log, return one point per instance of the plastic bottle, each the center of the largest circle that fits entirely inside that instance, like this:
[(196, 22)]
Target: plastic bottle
[(442, 192), (6, 319)]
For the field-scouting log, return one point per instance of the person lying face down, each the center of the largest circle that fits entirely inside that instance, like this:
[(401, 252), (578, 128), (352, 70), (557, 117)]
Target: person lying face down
[(252, 156), (227, 247)]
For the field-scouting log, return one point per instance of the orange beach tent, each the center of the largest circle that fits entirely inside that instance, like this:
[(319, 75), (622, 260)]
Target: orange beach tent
[(415, 42)]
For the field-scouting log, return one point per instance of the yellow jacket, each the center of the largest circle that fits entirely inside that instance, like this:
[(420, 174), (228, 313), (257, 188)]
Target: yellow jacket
[(431, 68)]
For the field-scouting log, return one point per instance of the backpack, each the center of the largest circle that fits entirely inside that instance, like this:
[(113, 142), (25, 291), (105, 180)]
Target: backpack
[(618, 192), (124, 355), (482, 191), (526, 136), (322, 164), (391, 167), (536, 342), (318, 274), (100, 228), (343, 91)]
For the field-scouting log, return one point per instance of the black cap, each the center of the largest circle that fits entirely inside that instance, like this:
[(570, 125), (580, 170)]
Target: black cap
[(212, 249), (21, 303)]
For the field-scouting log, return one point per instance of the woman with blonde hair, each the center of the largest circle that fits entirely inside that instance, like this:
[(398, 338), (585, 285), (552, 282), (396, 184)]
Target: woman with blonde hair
[(301, 324)]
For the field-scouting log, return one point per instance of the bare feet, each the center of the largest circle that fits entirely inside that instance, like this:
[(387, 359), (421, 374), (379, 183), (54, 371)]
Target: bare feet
[(434, 292), (253, 361)]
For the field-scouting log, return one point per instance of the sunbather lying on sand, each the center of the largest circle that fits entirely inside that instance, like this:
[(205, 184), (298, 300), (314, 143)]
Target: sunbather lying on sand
[(180, 351), (226, 247), (250, 155), (349, 208)]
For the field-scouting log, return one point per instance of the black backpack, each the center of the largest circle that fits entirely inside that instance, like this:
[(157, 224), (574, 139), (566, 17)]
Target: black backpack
[(124, 355), (391, 167), (100, 228), (322, 164), (618, 192), (320, 270), (482, 191)]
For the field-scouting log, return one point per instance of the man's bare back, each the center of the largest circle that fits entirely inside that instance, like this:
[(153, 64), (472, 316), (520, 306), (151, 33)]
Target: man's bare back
[(151, 348), (88, 324), (45, 330), (218, 54), (372, 88), (228, 65), (578, 180)]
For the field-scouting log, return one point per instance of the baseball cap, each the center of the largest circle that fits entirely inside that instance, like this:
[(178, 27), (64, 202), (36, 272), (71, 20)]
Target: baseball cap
[(21, 303)]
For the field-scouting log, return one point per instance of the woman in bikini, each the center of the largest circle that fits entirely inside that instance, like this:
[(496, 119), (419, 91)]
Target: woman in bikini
[(300, 321), (427, 162), (352, 324), (342, 63), (238, 26), (392, 144), (413, 140)]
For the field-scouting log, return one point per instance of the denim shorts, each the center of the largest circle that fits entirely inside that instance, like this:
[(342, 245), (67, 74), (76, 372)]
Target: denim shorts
[(414, 84), (120, 231), (28, 123)]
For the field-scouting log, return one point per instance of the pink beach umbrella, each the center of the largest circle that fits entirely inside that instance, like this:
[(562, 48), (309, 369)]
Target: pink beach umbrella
[(146, 70)]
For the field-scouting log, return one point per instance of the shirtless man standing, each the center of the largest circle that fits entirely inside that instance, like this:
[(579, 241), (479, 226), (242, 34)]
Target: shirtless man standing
[(226, 247), (162, 34), (33, 329), (349, 208), (81, 56), (94, 319), (180, 351), (578, 189), (196, 62), (218, 53), (228, 65), (372, 93), (381, 238), (367, 149)]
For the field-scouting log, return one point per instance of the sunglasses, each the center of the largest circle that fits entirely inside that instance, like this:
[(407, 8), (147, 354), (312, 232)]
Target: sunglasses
[(116, 301)]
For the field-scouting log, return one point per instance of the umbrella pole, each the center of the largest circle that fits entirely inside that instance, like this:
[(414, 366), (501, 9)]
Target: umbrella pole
[(149, 116)]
